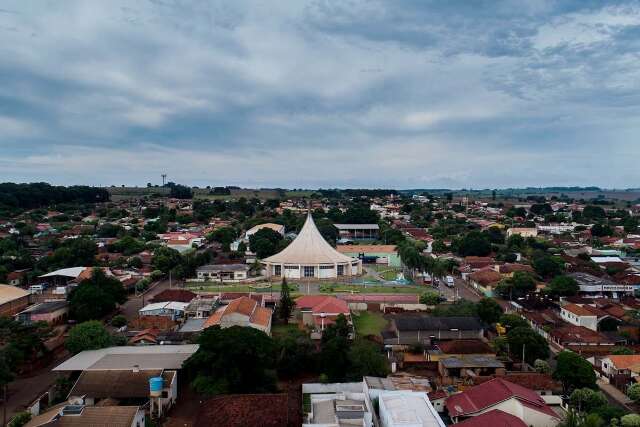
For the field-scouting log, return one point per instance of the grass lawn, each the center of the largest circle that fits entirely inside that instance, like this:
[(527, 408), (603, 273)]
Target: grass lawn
[(280, 329), (369, 323), (400, 289)]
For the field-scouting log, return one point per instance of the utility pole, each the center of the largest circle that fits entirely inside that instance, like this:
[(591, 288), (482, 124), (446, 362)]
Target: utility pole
[(164, 179)]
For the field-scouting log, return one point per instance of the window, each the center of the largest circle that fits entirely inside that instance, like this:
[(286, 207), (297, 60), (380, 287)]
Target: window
[(277, 270), (341, 270), (326, 267), (291, 267), (309, 271)]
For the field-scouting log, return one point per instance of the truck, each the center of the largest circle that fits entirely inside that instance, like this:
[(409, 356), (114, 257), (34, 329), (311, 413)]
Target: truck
[(450, 282)]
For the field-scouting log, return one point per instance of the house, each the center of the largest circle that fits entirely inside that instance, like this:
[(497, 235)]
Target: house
[(278, 228), (330, 409), (543, 384), (459, 348), (94, 416), (379, 254), (623, 364), (503, 395), (404, 409), (178, 295), (493, 418), (223, 272), (485, 280), (52, 312), (182, 241), (522, 231), (12, 300), (16, 278), (172, 309), (94, 386), (410, 330), (459, 368), (142, 358), (583, 315), (577, 336), (243, 311), (478, 262), (319, 311)]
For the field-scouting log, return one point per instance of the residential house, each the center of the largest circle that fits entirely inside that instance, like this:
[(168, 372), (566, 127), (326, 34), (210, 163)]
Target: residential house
[(453, 369), (278, 228), (12, 300), (403, 409), (17, 277), (177, 295), (543, 384), (172, 309), (52, 312), (598, 286), (584, 315), (459, 348), (493, 418), (485, 280), (243, 311), (502, 395), (622, 364), (409, 330), (223, 272), (319, 311), (522, 231)]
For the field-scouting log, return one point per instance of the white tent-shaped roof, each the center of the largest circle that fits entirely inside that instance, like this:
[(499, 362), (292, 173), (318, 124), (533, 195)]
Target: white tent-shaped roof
[(309, 248)]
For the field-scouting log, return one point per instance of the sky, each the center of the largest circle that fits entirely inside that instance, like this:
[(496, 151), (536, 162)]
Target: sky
[(321, 94)]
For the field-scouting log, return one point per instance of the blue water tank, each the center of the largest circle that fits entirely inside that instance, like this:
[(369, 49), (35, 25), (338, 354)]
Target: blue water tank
[(155, 386)]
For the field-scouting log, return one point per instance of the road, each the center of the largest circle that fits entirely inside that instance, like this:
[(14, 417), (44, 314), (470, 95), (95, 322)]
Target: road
[(460, 290), (130, 308)]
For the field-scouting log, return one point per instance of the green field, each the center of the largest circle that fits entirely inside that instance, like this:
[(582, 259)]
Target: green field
[(369, 323)]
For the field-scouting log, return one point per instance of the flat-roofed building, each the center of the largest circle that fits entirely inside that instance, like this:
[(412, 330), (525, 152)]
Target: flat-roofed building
[(12, 300), (358, 231)]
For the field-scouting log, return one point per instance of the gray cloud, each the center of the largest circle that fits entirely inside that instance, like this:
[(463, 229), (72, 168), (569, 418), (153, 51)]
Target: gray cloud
[(318, 93)]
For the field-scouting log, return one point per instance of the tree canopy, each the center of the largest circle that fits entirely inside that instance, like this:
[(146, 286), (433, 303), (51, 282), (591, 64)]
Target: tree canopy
[(96, 296), (574, 372), (90, 335)]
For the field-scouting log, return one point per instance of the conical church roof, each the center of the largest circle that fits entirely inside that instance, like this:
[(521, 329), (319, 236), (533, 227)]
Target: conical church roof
[(309, 247)]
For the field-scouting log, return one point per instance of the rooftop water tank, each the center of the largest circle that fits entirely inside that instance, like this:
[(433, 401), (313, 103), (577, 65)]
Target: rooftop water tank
[(155, 386)]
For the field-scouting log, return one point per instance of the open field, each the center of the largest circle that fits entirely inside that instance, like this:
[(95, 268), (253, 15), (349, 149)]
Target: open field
[(369, 323)]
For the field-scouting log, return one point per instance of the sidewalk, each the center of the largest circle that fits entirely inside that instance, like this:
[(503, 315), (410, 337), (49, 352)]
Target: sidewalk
[(613, 393)]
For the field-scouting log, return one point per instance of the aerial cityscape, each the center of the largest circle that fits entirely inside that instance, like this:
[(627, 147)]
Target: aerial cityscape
[(319, 213)]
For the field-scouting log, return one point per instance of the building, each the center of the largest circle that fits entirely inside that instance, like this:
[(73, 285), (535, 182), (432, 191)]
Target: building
[(623, 364), (278, 228), (459, 348), (358, 231), (243, 311), (583, 315), (379, 254), (309, 256), (485, 280), (460, 368), (319, 311), (522, 231), (178, 295), (94, 416), (172, 309), (52, 312), (502, 395), (407, 409), (598, 286), (411, 330), (12, 300), (223, 272), (494, 418), (141, 358)]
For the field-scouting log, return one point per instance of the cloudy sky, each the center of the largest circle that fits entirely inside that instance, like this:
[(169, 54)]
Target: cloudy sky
[(345, 93)]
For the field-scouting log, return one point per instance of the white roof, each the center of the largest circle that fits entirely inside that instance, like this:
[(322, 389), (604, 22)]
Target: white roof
[(171, 305), (10, 293), (309, 247), (72, 272), (410, 408), (125, 357), (603, 259)]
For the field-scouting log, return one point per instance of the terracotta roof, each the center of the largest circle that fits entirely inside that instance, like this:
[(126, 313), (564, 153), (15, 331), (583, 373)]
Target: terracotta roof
[(494, 418), (578, 310), (214, 319), (624, 361), (579, 334), (491, 393), (322, 303), (465, 347), (261, 316), (486, 276), (244, 305), (531, 380), (179, 295)]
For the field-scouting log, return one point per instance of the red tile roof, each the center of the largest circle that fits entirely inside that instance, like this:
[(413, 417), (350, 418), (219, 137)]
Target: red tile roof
[(268, 410), (178, 295), (469, 346), (491, 393), (495, 418), (321, 303)]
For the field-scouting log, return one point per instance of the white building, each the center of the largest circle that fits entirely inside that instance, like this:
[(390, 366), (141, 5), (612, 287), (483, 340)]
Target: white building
[(310, 256), (172, 309), (579, 316)]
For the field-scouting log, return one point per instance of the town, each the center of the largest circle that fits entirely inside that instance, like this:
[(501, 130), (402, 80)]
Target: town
[(173, 305)]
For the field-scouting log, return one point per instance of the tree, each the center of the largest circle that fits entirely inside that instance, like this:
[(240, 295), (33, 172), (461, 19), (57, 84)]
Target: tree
[(233, 360), (475, 243), (165, 259), (489, 311), (264, 242), (535, 346), (294, 352), (429, 298), (286, 305), (630, 420), (365, 359), (461, 307), (512, 321), (20, 419), (242, 247), (634, 392), (622, 351), (563, 286), (574, 372), (118, 321), (224, 236), (541, 366), (96, 296), (180, 191), (519, 285), (333, 358), (548, 266), (90, 335), (586, 399), (439, 247)]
